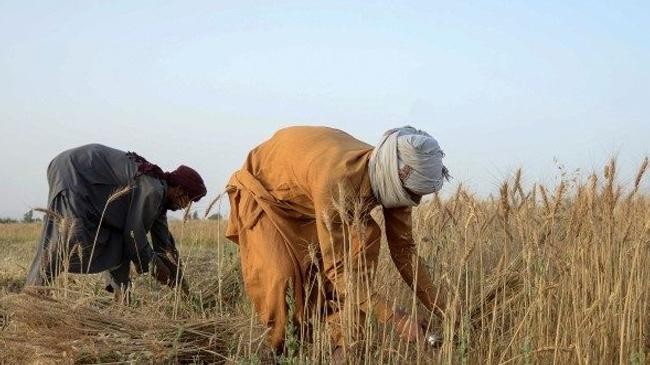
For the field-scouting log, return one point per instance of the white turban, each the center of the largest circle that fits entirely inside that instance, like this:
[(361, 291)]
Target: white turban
[(416, 155)]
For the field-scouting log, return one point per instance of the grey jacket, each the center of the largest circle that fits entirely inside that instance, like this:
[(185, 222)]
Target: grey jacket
[(93, 172)]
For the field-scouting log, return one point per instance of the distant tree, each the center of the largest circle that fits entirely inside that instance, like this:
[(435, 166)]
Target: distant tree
[(28, 217), (7, 220), (195, 215), (215, 217)]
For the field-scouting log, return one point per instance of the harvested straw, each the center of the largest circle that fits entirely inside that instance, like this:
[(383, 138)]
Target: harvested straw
[(225, 292), (36, 328)]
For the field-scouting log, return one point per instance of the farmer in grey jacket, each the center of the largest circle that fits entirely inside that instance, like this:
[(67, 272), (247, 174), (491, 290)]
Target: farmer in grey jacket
[(102, 203)]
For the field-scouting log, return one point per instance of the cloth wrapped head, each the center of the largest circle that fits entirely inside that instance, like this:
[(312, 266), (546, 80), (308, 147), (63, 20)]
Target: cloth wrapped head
[(189, 180), (406, 158), (184, 177)]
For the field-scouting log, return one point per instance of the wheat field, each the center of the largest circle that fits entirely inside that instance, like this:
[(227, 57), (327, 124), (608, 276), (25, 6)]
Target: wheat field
[(539, 275)]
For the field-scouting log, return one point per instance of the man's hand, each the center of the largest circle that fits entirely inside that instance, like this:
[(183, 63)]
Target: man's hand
[(161, 271), (173, 271)]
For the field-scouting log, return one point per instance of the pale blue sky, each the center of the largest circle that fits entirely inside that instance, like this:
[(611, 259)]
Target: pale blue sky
[(500, 84)]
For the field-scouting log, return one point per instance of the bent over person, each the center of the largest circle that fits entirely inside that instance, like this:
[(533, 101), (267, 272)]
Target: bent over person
[(286, 219), (102, 204)]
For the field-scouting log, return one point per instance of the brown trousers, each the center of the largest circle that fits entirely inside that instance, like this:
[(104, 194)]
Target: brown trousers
[(271, 270)]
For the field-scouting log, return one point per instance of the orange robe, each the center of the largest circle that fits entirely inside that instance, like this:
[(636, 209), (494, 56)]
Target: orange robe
[(283, 211)]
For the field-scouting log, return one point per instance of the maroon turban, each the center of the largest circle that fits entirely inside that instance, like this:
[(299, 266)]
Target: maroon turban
[(184, 177), (189, 180)]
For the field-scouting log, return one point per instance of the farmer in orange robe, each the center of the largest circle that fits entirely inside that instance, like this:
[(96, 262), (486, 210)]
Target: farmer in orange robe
[(285, 218)]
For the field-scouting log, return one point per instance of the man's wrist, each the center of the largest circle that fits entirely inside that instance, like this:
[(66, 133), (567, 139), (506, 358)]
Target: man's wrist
[(145, 258)]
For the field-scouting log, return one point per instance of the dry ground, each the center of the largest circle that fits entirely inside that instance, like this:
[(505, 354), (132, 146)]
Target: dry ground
[(541, 276)]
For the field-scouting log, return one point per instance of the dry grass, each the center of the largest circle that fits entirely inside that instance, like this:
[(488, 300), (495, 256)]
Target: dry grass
[(541, 275), (88, 331)]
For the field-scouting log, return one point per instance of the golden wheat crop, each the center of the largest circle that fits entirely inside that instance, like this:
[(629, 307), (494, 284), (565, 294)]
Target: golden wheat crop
[(555, 275)]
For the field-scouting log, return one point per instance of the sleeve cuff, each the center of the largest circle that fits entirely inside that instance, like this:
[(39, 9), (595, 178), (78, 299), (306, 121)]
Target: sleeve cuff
[(145, 258)]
